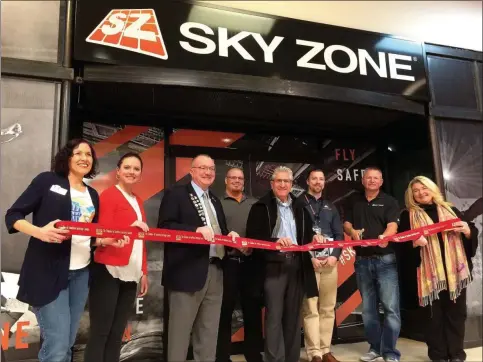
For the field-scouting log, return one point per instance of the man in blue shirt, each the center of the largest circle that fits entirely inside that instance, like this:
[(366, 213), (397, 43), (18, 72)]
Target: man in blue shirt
[(289, 275)]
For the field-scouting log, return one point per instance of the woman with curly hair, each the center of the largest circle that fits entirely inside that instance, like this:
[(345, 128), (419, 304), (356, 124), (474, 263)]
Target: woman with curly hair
[(55, 273), (443, 265)]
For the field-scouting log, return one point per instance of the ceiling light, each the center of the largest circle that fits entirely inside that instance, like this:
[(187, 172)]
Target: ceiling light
[(447, 175)]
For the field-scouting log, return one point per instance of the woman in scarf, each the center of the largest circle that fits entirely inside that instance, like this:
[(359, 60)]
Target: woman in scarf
[(443, 265)]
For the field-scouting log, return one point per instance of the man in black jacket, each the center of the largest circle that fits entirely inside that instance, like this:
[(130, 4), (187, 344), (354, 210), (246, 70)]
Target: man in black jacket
[(192, 274), (289, 275), (319, 312)]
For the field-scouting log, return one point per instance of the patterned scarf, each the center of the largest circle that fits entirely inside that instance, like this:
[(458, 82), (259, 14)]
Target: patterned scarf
[(433, 276)]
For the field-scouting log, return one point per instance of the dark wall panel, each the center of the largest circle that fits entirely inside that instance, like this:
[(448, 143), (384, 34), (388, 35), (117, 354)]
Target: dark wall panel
[(479, 78), (452, 82)]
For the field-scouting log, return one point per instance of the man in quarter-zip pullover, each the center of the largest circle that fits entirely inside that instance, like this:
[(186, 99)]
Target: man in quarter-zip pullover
[(319, 312)]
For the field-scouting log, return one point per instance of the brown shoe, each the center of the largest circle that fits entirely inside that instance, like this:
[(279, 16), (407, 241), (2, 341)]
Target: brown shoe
[(316, 359), (329, 357)]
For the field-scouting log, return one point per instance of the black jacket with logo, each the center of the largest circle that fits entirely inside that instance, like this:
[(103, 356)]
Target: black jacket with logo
[(329, 219)]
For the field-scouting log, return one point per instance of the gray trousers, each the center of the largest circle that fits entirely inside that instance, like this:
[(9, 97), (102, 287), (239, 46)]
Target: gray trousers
[(284, 292), (197, 312)]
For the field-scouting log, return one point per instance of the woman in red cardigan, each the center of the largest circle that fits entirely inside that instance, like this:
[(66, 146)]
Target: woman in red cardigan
[(120, 265)]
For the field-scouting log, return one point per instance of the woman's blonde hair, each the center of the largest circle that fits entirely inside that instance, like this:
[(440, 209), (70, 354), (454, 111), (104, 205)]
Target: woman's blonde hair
[(438, 198)]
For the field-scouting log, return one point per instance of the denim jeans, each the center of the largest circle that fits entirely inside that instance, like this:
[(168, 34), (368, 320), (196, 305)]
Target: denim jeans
[(377, 280), (59, 320)]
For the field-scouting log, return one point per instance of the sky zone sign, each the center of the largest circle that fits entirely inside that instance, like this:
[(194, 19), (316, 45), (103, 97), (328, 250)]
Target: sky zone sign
[(138, 30), (134, 30)]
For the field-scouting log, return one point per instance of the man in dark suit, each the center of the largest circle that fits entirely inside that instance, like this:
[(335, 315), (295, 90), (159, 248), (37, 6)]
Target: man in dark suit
[(192, 274)]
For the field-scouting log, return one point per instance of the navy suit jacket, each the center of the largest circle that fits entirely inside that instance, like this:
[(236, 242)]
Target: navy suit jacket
[(45, 269), (185, 266)]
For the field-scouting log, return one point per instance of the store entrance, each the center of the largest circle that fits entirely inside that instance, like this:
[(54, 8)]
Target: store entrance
[(256, 132), (343, 161)]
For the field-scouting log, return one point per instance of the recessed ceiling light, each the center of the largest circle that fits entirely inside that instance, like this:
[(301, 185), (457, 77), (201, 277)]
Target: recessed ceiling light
[(447, 175)]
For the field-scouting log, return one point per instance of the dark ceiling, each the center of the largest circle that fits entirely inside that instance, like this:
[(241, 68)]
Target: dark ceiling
[(215, 109)]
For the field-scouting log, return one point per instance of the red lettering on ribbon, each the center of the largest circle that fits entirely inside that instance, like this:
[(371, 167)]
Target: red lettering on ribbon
[(187, 237)]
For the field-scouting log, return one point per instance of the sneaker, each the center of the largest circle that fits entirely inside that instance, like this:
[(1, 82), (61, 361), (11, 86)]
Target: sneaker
[(391, 359), (371, 356)]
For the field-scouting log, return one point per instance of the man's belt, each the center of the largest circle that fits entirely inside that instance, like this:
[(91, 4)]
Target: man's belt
[(188, 237)]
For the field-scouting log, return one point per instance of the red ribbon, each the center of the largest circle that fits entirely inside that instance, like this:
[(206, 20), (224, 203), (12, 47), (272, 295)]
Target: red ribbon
[(188, 237)]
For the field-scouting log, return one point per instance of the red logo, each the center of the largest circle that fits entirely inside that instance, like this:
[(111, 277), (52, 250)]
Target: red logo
[(136, 30)]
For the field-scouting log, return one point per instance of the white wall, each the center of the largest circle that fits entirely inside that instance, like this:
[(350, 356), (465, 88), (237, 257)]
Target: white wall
[(453, 23)]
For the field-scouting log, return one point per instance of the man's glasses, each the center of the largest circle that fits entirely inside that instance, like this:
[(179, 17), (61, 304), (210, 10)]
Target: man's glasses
[(205, 168), (235, 178)]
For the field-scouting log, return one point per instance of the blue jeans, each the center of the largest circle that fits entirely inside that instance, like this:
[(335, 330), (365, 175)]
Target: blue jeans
[(59, 320), (377, 280)]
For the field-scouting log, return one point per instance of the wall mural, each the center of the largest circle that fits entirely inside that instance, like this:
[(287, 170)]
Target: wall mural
[(10, 133)]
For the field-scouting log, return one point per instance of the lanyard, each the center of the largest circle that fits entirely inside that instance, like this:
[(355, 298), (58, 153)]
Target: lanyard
[(316, 215)]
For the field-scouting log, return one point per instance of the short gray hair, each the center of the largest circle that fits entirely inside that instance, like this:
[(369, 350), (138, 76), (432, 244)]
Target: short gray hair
[(199, 156), (234, 168), (279, 169)]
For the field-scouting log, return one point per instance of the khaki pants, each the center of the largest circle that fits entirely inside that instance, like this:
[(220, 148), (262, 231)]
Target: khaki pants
[(319, 313)]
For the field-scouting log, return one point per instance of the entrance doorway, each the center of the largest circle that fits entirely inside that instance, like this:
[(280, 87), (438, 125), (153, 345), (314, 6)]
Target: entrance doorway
[(256, 133), (343, 162)]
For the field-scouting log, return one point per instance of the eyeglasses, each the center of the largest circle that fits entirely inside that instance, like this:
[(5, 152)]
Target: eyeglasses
[(235, 178), (280, 181), (205, 168)]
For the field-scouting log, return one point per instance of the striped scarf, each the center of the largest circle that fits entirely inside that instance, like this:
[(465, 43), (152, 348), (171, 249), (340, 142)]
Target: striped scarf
[(433, 276)]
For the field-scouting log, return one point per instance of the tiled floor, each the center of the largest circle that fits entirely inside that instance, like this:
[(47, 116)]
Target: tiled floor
[(411, 351)]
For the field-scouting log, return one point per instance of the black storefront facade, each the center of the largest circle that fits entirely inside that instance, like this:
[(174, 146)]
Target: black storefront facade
[(174, 79)]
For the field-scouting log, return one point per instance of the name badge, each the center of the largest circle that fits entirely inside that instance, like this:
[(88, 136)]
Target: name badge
[(59, 190)]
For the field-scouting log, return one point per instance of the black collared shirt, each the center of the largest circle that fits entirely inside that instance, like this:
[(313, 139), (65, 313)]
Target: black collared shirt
[(373, 216)]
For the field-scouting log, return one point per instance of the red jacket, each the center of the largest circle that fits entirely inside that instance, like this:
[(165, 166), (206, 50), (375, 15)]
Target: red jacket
[(116, 211)]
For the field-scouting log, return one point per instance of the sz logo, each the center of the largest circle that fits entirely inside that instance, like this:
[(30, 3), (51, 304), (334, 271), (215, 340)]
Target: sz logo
[(134, 30)]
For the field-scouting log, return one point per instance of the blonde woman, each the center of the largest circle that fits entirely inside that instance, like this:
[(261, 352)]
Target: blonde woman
[(444, 267)]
